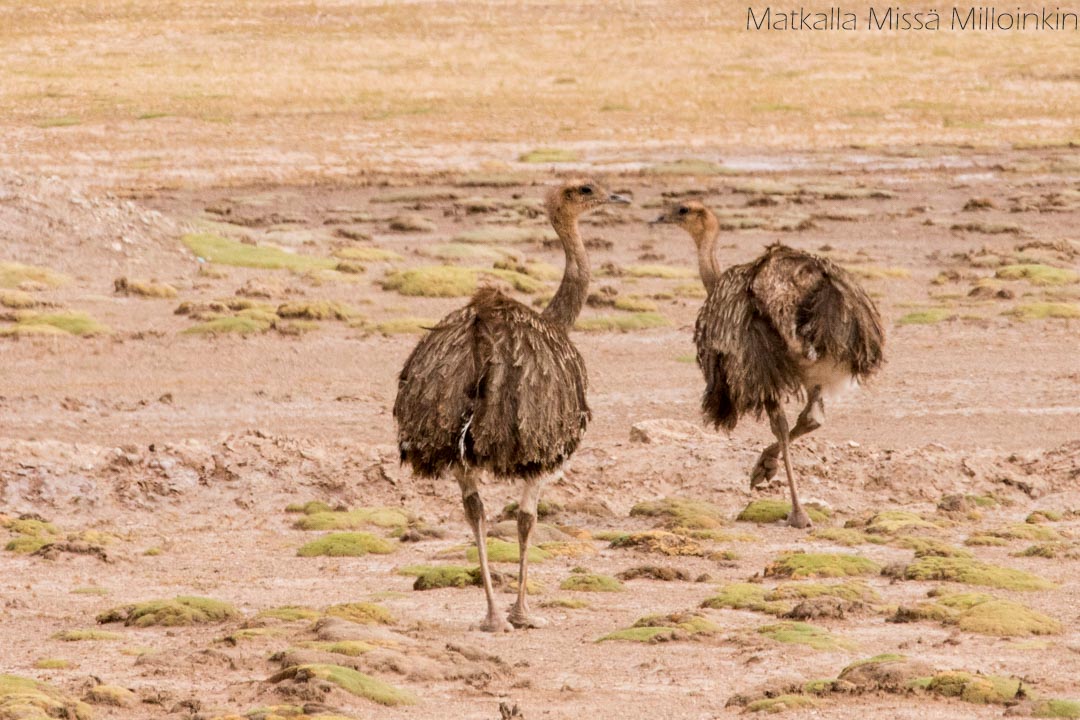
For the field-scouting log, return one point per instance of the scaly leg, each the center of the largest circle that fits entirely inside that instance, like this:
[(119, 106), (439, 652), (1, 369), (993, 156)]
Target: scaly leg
[(526, 520), (810, 419), (474, 512), (797, 518)]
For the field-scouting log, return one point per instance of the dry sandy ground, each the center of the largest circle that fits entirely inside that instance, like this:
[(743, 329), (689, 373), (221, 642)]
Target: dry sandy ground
[(185, 448)]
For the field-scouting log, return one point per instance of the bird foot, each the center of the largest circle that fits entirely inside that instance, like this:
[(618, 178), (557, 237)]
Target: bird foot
[(525, 619), (494, 624), (798, 518), (764, 471)]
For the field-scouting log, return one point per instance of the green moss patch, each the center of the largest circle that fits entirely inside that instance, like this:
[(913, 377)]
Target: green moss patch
[(686, 166), (665, 628), (111, 695), (591, 582), (682, 513), (549, 155), (501, 551), (12, 275), (781, 703), (1056, 709), (897, 522), (52, 664), (405, 326), (17, 300), (451, 281), (309, 508), (804, 565), (290, 613), (349, 648), (974, 572), (971, 687), (462, 251), (383, 517), (367, 254), (565, 603), (182, 610), (804, 634), (216, 249), (144, 288), (349, 680), (767, 510), (982, 614), (232, 324), (746, 596), (853, 590), (27, 699), (85, 635), (845, 536), (1045, 311), (346, 545), (1038, 274), (664, 272), (315, 310), (505, 235), (54, 323), (1025, 531), (362, 613), (434, 577)]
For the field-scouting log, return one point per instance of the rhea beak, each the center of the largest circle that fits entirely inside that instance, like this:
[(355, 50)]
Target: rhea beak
[(662, 220), (618, 199)]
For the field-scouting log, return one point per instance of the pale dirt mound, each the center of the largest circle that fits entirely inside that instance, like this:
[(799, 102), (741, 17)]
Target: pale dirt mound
[(54, 223)]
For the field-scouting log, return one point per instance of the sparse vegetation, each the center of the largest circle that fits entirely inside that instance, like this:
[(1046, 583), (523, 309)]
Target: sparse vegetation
[(362, 613), (805, 565), (804, 634), (505, 235), (27, 699), (349, 680), (665, 628), (18, 276), (621, 323), (382, 517), (345, 545), (182, 610), (591, 582), (451, 281), (1038, 274), (931, 316), (217, 249), (1045, 311), (549, 155), (767, 510), (501, 551), (54, 323), (974, 572)]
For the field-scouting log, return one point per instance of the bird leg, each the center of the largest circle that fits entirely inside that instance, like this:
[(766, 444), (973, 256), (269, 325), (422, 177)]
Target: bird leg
[(526, 520), (797, 518), (810, 419), (474, 512)]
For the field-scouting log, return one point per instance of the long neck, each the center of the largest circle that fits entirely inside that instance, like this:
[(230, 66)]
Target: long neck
[(570, 297), (705, 240)]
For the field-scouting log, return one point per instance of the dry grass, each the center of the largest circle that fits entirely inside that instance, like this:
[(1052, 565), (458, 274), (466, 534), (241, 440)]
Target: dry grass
[(312, 75)]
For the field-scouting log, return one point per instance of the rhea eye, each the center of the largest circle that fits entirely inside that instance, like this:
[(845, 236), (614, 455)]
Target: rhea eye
[(585, 190), (684, 210)]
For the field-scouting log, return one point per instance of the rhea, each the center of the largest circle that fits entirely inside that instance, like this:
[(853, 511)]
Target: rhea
[(496, 387), (789, 323)]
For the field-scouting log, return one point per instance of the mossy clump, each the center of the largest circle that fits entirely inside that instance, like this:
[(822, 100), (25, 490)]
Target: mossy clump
[(230, 325), (845, 536), (897, 522), (1004, 618), (111, 695), (310, 507), (659, 541), (27, 699), (1048, 550), (801, 633), (451, 281), (52, 664), (346, 545), (290, 613), (505, 235), (315, 310), (54, 323), (351, 681), (181, 610), (927, 547), (25, 544), (349, 648), (1043, 516), (84, 635), (382, 517), (362, 613), (746, 596), (682, 513), (462, 251), (1026, 531), (1038, 274), (17, 300), (930, 316), (664, 272), (12, 275), (665, 628), (549, 155), (621, 323), (634, 303), (686, 166), (216, 249), (367, 254), (1056, 709), (565, 603), (781, 703), (144, 288), (805, 565), (91, 590), (767, 510), (984, 540), (501, 551), (417, 195), (434, 577), (852, 590), (974, 572), (971, 687), (591, 582), (1045, 311)]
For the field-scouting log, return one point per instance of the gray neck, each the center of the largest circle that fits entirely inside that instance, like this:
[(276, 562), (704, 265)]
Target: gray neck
[(565, 307)]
